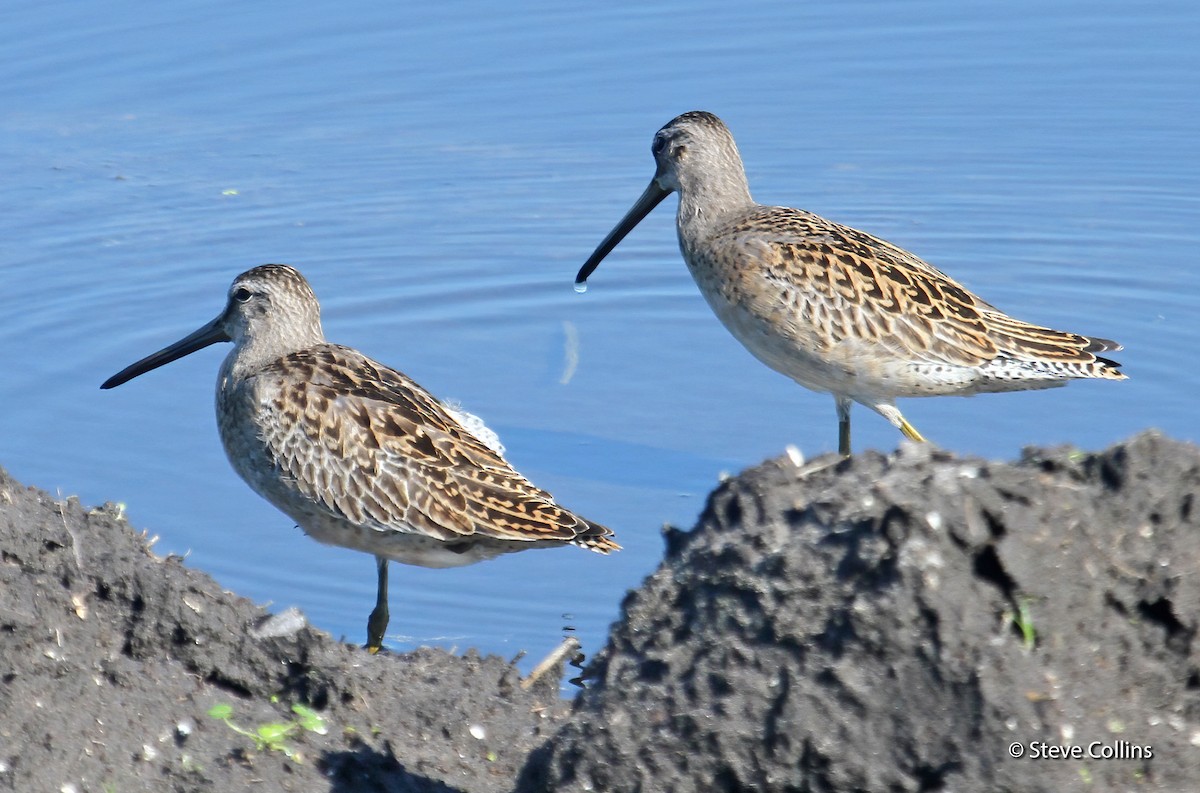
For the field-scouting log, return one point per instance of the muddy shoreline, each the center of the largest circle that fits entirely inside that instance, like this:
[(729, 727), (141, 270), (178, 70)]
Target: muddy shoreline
[(881, 623)]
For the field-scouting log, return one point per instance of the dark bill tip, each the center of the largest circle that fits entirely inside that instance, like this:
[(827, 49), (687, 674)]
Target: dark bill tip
[(211, 333), (649, 199)]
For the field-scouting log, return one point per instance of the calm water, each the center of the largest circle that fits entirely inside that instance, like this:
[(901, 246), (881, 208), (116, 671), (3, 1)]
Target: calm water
[(439, 174)]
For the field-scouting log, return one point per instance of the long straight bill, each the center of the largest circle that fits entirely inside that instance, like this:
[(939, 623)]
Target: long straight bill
[(651, 198), (211, 333)]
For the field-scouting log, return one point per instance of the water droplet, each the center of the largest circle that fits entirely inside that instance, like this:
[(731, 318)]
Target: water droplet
[(581, 287)]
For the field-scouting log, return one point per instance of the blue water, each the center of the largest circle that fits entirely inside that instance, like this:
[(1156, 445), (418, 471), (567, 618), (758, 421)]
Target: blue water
[(440, 172)]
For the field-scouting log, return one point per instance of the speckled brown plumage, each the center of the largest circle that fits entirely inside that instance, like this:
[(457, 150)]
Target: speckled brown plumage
[(366, 442), (860, 287), (834, 308), (357, 453)]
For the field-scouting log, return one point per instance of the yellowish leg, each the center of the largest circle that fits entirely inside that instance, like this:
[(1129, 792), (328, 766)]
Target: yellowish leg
[(890, 413), (910, 431), (378, 621)]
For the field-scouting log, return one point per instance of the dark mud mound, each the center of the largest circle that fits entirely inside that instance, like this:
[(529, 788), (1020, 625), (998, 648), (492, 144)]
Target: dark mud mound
[(880, 624), (908, 624), (111, 658)]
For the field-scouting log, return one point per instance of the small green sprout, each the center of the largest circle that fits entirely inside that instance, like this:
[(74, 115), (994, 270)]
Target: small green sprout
[(273, 735), (309, 719), (1023, 619)]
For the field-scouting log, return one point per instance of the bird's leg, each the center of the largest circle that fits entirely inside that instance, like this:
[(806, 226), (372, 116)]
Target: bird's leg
[(910, 431), (378, 621), (843, 411), (893, 415)]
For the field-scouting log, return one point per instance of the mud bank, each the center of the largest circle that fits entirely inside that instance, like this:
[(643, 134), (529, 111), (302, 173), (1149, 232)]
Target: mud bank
[(879, 623)]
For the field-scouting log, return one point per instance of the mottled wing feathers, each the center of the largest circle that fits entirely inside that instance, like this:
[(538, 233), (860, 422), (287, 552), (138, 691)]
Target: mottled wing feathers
[(1023, 340), (862, 288), (370, 444)]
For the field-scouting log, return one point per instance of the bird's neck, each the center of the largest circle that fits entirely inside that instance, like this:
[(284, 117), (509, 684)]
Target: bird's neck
[(253, 354), (703, 202)]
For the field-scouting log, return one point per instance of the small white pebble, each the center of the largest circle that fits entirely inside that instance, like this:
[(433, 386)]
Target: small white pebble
[(478, 732), (1195, 739), (148, 752), (68, 787), (285, 623), (934, 520), (185, 727), (1068, 732), (795, 455)]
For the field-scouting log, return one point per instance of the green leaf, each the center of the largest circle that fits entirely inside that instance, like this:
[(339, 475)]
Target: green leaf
[(273, 734), (222, 711), (1025, 623), (310, 720)]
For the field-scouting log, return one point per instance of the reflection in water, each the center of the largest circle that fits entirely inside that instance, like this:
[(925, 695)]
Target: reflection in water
[(570, 351)]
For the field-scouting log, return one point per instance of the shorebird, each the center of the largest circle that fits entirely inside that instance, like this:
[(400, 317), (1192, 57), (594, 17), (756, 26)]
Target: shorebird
[(357, 453), (833, 308)]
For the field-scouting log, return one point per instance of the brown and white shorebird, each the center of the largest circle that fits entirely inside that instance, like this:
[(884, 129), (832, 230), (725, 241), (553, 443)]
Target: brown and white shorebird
[(833, 308), (357, 453)]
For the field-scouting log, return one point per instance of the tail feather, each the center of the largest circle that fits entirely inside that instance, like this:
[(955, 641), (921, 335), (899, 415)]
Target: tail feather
[(1096, 344), (1064, 354), (595, 537)]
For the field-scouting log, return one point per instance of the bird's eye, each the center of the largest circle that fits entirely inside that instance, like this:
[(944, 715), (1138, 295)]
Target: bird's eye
[(660, 143), (242, 294)]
